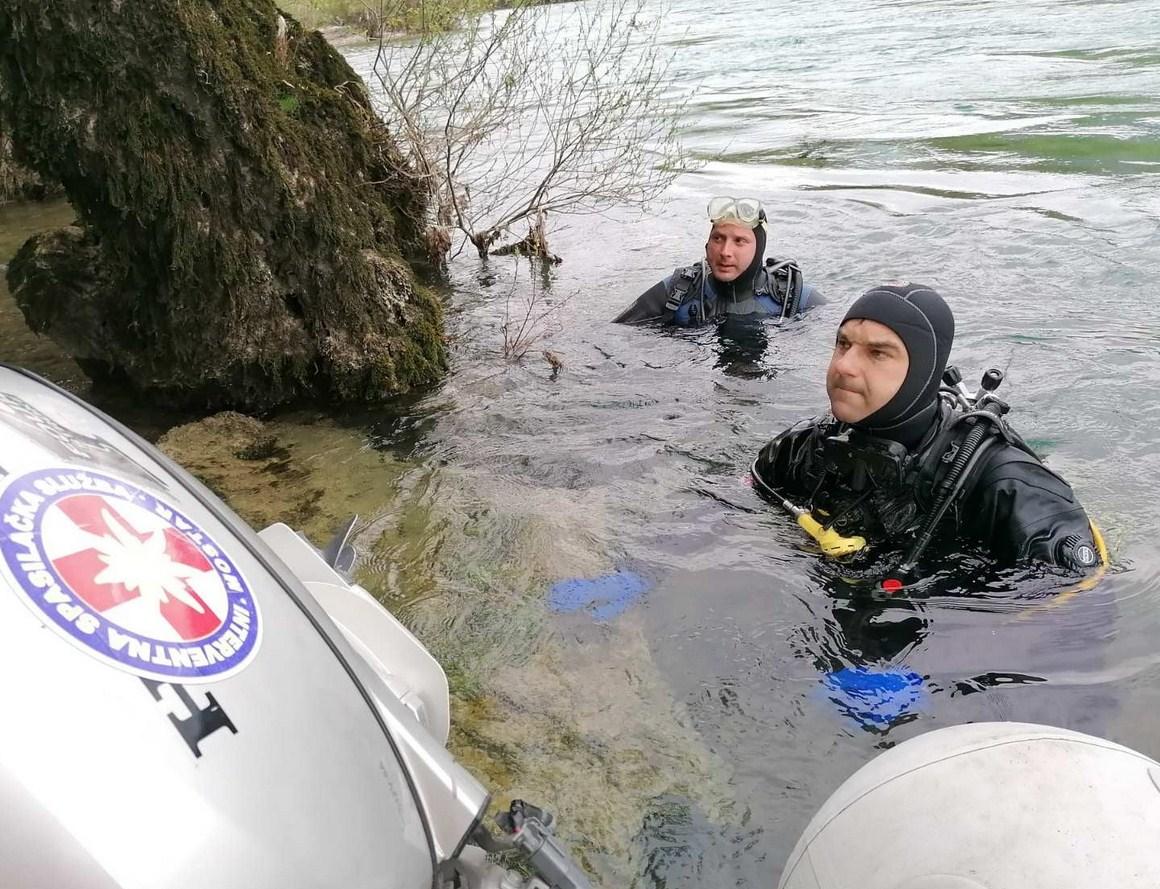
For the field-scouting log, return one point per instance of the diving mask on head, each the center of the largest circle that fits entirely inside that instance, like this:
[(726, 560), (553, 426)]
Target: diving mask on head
[(747, 211)]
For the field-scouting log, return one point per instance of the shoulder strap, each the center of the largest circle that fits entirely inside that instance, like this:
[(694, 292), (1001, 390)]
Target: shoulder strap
[(685, 277), (785, 285), (688, 279), (943, 451)]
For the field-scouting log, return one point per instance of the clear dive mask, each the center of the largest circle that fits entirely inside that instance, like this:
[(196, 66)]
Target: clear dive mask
[(747, 211)]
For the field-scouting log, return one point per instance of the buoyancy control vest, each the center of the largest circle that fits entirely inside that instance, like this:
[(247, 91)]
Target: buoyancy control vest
[(781, 281), (864, 484), (969, 471)]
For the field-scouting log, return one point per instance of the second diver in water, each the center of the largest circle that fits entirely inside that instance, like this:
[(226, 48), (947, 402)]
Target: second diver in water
[(898, 460), (734, 280)]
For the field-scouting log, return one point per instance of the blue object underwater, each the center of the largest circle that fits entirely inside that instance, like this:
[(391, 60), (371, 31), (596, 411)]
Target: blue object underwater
[(875, 698), (604, 597)]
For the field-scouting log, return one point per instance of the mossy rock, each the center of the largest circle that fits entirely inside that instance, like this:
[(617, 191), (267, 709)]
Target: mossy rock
[(307, 471), (245, 222), (242, 461), (17, 182)]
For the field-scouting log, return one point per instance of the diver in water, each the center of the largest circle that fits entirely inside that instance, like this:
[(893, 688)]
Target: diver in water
[(898, 460), (733, 281)]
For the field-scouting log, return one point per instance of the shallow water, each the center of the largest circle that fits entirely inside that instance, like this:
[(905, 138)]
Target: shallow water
[(1006, 154)]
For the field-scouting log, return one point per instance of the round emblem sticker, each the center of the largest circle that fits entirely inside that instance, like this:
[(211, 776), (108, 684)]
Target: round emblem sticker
[(1085, 555), (126, 576)]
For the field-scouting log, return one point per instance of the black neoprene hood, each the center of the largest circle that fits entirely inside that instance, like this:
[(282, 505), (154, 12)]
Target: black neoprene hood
[(926, 326)]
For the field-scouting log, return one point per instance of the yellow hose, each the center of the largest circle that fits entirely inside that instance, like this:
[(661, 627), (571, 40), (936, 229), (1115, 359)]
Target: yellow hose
[(832, 543)]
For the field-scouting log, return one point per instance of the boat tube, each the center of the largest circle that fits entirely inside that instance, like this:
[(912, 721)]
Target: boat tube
[(988, 806), (190, 703)]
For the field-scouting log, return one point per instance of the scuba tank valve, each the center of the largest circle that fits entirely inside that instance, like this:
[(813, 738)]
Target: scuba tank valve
[(954, 387), (953, 379), (990, 382)]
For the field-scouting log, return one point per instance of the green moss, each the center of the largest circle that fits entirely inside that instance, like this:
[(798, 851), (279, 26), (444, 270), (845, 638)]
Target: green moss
[(17, 182), (246, 207), (493, 761)]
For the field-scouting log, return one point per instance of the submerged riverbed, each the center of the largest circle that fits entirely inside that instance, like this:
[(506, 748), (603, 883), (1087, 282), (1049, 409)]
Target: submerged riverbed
[(681, 711)]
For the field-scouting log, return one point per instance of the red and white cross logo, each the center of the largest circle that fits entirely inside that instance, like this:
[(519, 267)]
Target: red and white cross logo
[(134, 568)]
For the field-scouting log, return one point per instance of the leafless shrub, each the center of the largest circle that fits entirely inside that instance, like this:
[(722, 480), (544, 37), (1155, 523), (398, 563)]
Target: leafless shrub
[(532, 110), (535, 244), (437, 241), (527, 318)]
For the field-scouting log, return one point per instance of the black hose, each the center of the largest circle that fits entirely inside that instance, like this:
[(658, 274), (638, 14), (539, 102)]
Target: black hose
[(789, 307), (972, 448), (965, 452)]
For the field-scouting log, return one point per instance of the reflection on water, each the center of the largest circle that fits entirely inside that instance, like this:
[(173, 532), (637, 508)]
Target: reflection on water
[(1004, 153)]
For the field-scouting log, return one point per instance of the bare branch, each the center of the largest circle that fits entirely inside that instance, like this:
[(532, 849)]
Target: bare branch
[(535, 109)]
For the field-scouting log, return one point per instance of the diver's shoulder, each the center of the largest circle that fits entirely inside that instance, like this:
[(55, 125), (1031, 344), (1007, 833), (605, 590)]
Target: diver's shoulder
[(812, 296), (1009, 463), (811, 427), (682, 275)]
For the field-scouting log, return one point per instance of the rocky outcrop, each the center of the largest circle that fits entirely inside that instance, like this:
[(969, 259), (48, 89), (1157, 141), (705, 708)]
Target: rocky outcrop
[(241, 460), (244, 220), (17, 182)]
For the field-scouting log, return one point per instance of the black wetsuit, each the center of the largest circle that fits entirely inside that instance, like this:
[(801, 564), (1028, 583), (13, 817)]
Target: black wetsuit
[(1012, 505), (692, 296), (879, 477)]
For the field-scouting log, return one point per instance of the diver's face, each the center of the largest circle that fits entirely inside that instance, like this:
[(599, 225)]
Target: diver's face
[(730, 250), (866, 370)]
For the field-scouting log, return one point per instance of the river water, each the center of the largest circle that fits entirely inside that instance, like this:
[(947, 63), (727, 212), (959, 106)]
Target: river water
[(681, 710)]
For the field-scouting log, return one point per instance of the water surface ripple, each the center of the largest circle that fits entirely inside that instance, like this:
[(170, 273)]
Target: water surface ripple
[(1005, 153)]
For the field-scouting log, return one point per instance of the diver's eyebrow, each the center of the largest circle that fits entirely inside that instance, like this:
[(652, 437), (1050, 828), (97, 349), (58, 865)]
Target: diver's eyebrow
[(884, 345)]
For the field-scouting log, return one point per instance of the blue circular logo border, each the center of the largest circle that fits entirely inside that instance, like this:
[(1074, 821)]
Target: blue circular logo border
[(14, 541)]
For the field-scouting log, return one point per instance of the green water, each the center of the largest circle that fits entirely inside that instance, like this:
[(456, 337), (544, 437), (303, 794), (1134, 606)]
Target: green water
[(1006, 154)]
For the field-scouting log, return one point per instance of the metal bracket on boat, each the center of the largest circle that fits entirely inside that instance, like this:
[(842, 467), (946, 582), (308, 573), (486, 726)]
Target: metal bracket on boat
[(530, 829), (527, 829), (339, 554)]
